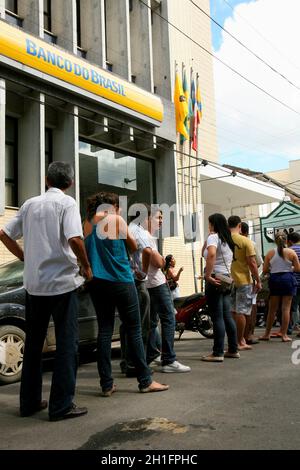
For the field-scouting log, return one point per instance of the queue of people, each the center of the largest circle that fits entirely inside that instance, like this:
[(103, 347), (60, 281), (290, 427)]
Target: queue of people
[(123, 269), (233, 281)]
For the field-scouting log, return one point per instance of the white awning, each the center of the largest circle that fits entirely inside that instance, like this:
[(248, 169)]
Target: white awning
[(229, 191)]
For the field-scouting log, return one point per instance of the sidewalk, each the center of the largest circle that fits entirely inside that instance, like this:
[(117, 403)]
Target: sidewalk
[(247, 403)]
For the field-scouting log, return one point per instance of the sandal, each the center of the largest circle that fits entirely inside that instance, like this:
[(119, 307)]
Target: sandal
[(108, 393), (155, 387)]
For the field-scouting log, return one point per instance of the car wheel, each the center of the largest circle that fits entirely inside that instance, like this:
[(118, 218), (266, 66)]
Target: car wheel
[(12, 340)]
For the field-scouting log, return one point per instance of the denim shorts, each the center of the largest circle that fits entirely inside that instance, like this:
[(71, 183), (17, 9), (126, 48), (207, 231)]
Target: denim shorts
[(242, 299), (281, 284)]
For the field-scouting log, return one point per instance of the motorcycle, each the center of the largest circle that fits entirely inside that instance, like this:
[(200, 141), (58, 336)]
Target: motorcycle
[(192, 314)]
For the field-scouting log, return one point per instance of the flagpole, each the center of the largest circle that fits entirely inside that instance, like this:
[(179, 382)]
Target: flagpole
[(184, 196), (197, 153), (191, 191)]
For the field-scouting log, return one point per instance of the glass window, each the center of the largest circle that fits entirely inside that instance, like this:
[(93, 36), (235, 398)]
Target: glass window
[(11, 12), (11, 273), (12, 5), (47, 15), (78, 21), (11, 162), (48, 148), (106, 170)]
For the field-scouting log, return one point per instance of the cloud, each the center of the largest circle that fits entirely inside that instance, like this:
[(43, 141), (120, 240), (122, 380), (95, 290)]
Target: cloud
[(253, 128)]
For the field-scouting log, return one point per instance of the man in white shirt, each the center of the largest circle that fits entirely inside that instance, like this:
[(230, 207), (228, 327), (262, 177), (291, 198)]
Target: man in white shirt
[(161, 302), (51, 227)]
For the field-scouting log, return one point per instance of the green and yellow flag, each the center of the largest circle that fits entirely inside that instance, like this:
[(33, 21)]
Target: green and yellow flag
[(185, 88), (181, 108)]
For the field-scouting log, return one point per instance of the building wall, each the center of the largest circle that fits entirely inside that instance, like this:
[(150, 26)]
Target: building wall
[(289, 176), (196, 25), (144, 51)]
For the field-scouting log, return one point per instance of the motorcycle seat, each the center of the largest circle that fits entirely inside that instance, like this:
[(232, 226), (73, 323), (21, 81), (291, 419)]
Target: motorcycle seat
[(189, 299)]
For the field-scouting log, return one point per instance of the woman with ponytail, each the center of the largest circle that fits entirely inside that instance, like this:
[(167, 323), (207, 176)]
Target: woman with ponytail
[(280, 262)]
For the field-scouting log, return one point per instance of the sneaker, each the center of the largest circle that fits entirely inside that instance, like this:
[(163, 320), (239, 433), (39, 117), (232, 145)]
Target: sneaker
[(156, 362), (73, 412), (235, 355), (212, 358), (175, 367)]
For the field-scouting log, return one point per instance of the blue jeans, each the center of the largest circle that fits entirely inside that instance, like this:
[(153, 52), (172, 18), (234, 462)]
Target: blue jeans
[(64, 309), (219, 305), (106, 297), (162, 307), (144, 304), (295, 310)]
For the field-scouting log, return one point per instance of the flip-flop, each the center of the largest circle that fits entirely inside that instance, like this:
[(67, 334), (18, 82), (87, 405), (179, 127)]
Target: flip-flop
[(275, 335), (252, 341), (244, 348), (155, 387)]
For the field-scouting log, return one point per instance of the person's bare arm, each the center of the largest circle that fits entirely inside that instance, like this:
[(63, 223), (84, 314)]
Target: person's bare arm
[(296, 263), (157, 260), (173, 276), (124, 232), (12, 245), (251, 261), (77, 245), (146, 259), (266, 267), (210, 262), (87, 228)]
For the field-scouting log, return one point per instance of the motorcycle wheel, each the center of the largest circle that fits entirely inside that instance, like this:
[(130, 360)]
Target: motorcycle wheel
[(204, 323)]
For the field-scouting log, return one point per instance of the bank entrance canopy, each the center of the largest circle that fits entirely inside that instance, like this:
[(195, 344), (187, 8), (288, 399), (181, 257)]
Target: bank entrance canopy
[(226, 189)]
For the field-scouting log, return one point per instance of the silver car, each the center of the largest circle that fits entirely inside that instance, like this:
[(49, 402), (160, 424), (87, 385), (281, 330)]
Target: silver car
[(12, 323)]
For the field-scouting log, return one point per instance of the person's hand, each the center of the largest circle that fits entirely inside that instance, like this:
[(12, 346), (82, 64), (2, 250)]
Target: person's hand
[(181, 269), (257, 287), (213, 280), (140, 275), (87, 273)]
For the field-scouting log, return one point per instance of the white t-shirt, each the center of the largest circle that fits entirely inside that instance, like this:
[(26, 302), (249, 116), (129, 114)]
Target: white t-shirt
[(47, 222), (224, 254), (155, 275), (143, 241)]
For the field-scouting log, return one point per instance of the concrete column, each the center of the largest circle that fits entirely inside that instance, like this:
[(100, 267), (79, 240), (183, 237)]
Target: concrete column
[(2, 145), (166, 182), (161, 53), (93, 31), (2, 9), (118, 37), (66, 144), (31, 148), (32, 13), (141, 45), (64, 24)]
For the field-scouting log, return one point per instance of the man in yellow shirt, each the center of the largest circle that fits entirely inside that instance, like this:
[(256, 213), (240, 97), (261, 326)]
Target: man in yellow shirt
[(243, 265)]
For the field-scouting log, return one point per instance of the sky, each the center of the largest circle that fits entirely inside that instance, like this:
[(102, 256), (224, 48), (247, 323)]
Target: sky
[(254, 131)]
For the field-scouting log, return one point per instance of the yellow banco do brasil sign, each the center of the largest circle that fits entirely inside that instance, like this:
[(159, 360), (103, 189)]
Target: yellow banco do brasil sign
[(39, 55)]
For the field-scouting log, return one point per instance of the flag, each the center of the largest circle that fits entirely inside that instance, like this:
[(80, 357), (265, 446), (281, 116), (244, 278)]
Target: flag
[(181, 108), (197, 115), (185, 88), (199, 101), (192, 107)]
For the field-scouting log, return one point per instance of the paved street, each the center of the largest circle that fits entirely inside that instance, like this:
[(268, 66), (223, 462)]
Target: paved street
[(251, 403)]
